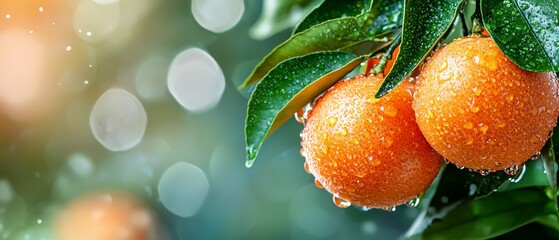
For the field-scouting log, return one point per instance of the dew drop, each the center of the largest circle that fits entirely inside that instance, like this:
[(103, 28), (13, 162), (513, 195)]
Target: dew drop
[(340, 202), (443, 66), (519, 176), (373, 100), (483, 172), (474, 109), (414, 202), (459, 167), (511, 170), (477, 91), (389, 110), (249, 163), (483, 128), (364, 209), (389, 209), (536, 156), (446, 161), (445, 76), (306, 166), (387, 141), (302, 152), (332, 121), (360, 174), (318, 184), (509, 97), (534, 139)]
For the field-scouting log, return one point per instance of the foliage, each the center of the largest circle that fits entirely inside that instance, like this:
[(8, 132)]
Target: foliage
[(337, 36)]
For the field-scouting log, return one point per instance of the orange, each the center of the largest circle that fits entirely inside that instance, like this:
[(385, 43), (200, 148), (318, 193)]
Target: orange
[(481, 111), (110, 215), (367, 151)]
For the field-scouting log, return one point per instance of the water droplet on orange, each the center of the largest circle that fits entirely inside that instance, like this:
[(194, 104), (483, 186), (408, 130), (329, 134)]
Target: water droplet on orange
[(332, 121), (474, 109), (483, 128), (306, 165), (340, 202), (509, 97), (389, 110), (431, 115), (443, 66), (387, 141), (318, 184)]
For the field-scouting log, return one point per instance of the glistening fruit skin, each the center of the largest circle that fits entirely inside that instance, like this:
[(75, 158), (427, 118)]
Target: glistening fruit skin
[(368, 151), (481, 111)]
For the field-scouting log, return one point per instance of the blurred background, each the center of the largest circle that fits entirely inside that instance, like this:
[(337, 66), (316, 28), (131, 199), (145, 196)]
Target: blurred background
[(121, 119)]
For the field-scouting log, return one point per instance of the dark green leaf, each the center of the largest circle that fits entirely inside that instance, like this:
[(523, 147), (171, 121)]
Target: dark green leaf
[(333, 35), (287, 88), (454, 186), (329, 35), (526, 31), (550, 166), (425, 22), (279, 15), (488, 217), (331, 9), (388, 15)]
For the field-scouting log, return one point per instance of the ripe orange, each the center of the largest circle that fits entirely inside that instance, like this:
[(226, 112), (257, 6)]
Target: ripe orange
[(368, 151), (481, 111), (111, 215)]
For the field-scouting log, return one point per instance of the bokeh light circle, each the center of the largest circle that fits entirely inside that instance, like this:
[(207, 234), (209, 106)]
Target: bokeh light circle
[(118, 120), (95, 22), (195, 80), (183, 189), (218, 15)]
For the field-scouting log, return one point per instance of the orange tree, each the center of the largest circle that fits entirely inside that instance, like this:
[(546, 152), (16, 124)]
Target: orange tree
[(337, 40)]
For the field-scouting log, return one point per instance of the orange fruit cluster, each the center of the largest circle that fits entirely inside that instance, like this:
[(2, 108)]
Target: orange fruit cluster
[(470, 104)]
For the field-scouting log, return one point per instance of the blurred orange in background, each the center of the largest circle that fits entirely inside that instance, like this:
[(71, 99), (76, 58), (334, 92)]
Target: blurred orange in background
[(108, 215)]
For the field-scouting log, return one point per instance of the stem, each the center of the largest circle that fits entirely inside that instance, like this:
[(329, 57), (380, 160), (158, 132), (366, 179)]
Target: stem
[(477, 25), (379, 68)]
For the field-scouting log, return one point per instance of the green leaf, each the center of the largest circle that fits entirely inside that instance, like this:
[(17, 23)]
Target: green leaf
[(550, 166), (455, 185), (329, 35), (331, 9), (526, 31), (489, 217), (425, 22), (279, 15), (287, 88), (532, 176), (333, 35)]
